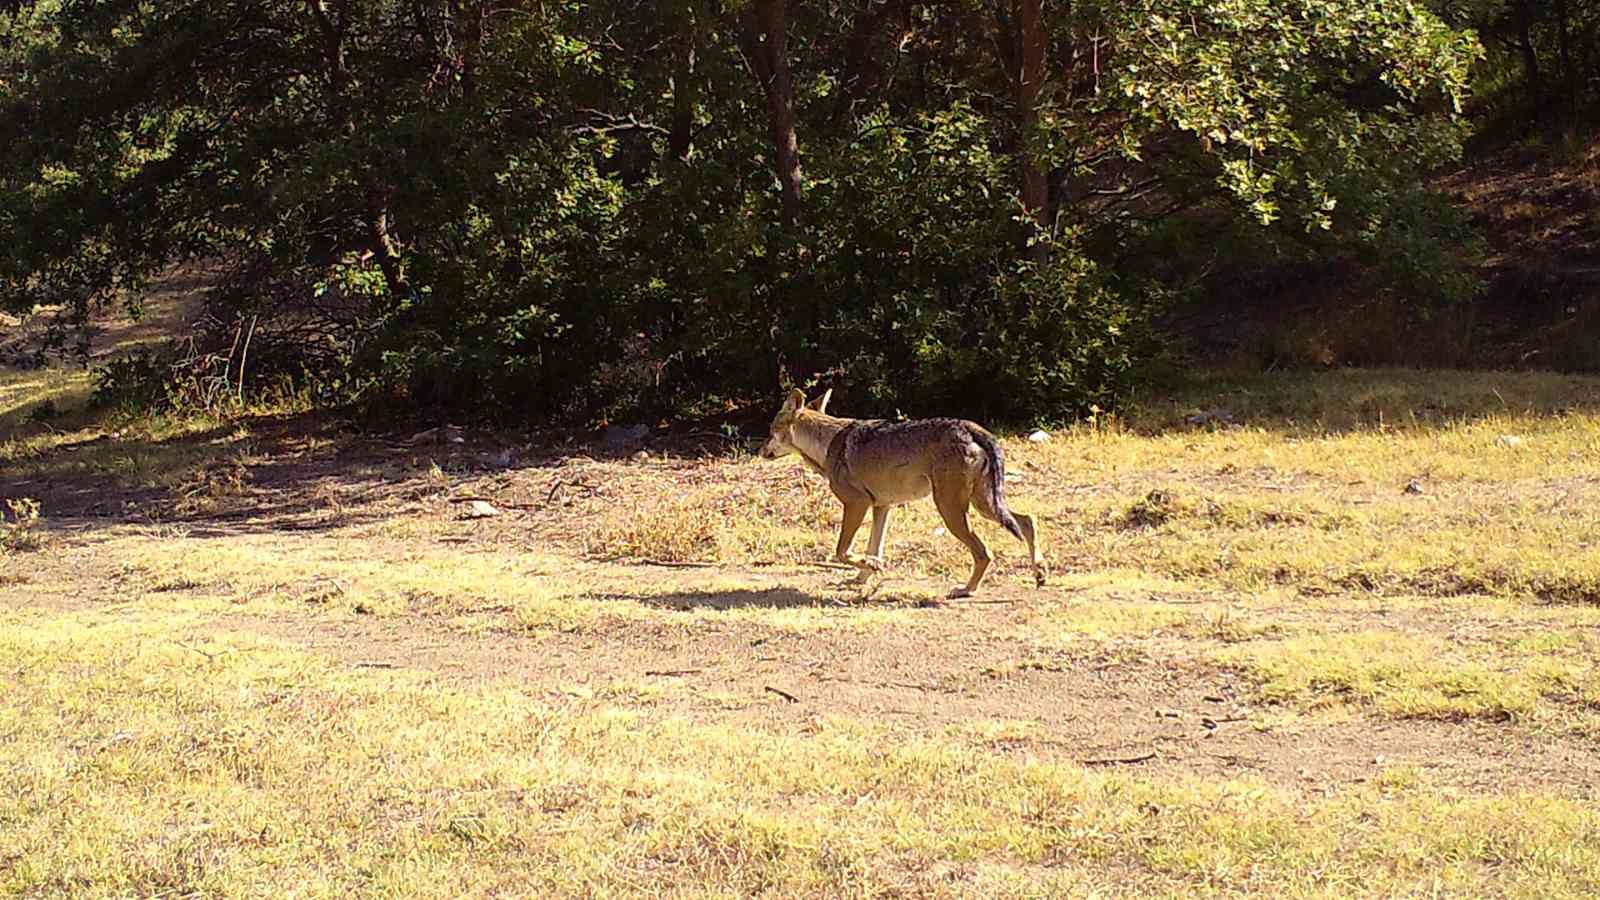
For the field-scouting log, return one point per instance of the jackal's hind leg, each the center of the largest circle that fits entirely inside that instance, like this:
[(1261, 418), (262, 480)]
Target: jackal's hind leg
[(953, 509), (1035, 555), (1030, 534)]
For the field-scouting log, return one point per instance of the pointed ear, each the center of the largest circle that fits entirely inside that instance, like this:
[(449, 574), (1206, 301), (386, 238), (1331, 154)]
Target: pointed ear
[(821, 403), (797, 399)]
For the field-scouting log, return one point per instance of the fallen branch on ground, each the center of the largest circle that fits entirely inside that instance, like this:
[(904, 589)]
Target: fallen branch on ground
[(1119, 760)]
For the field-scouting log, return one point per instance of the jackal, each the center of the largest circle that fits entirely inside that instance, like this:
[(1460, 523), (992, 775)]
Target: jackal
[(878, 465)]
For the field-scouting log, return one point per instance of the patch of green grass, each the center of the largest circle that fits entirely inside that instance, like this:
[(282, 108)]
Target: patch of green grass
[(1411, 675), (140, 762), (24, 392)]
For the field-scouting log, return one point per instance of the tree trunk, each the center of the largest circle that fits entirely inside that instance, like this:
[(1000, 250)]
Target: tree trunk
[(376, 214), (1035, 189), (864, 69), (1530, 56), (1569, 76), (681, 135), (767, 48), (390, 261)]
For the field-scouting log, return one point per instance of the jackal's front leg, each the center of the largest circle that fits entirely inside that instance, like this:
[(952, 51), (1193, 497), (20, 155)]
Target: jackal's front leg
[(880, 525), (854, 514)]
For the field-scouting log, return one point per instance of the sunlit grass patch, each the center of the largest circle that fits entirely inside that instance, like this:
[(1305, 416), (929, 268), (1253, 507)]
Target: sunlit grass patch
[(760, 522), (1128, 617), (1456, 543), (500, 591), (1412, 675), (39, 397), (140, 762), (787, 521), (146, 451), (1496, 498), (521, 591), (1365, 399)]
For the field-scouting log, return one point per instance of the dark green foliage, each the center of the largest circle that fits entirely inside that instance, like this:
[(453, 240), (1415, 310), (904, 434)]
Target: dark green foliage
[(137, 380), (1542, 65), (573, 209)]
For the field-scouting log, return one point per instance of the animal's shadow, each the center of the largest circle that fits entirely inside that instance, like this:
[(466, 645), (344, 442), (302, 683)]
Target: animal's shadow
[(848, 596)]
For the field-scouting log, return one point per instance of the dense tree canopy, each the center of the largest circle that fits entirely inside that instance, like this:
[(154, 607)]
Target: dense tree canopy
[(562, 206)]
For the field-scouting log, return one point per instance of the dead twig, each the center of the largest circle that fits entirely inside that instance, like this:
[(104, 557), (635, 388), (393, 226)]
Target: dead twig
[(210, 657), (672, 673), (374, 664), (583, 489), (781, 693), (1119, 760)]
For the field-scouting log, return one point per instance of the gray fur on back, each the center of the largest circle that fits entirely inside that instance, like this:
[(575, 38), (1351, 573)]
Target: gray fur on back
[(850, 441)]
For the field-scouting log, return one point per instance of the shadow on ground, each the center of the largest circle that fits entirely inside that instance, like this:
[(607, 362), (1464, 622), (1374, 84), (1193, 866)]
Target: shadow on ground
[(770, 598), (274, 472)]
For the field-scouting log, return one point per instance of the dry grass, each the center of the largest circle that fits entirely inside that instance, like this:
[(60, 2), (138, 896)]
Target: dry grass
[(273, 768), (1386, 551)]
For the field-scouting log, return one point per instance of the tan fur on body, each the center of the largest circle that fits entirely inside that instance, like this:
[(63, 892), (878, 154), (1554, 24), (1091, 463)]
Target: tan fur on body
[(878, 465)]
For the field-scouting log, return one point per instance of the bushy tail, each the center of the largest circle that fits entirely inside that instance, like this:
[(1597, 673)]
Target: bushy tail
[(996, 482)]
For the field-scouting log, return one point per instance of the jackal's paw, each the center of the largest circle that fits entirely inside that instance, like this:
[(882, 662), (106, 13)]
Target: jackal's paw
[(958, 593), (1039, 574)]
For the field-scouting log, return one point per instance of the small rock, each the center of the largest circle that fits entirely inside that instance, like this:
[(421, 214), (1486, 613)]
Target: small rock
[(1039, 437), (479, 509), (1508, 440), (641, 456), (1413, 487), (940, 532)]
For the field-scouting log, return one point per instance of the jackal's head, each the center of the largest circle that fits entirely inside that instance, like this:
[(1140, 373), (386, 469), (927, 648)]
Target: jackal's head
[(780, 439)]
